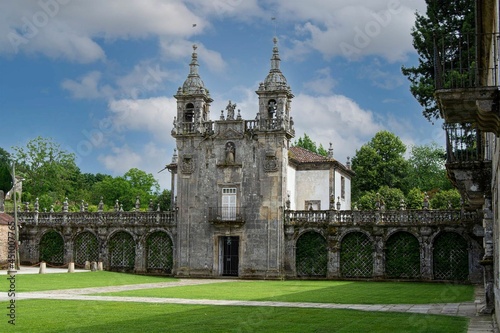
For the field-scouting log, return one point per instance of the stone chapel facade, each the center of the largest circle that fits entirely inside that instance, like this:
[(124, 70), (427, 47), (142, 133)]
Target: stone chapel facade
[(233, 180)]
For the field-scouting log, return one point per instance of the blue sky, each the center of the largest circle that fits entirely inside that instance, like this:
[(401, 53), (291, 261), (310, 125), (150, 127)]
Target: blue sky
[(98, 77)]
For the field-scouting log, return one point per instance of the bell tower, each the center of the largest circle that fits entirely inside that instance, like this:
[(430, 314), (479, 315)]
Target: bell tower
[(193, 102), (275, 96)]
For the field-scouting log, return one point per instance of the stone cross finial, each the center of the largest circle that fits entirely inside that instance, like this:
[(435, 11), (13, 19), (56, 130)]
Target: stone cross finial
[(330, 151), (65, 205)]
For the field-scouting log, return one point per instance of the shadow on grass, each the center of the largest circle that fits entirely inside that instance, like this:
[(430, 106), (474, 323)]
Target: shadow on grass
[(343, 292), (381, 293)]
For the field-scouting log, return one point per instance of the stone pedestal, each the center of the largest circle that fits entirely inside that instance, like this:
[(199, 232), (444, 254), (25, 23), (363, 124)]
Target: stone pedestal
[(43, 268), (71, 267)]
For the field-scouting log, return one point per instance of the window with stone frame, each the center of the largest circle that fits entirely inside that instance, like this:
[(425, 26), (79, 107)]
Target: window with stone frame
[(312, 205), (229, 203), (342, 187)]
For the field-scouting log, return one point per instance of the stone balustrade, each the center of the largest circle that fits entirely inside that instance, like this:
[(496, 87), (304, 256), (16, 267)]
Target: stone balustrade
[(389, 217)]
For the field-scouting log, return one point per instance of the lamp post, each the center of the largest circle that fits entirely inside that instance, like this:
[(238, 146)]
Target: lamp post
[(14, 192)]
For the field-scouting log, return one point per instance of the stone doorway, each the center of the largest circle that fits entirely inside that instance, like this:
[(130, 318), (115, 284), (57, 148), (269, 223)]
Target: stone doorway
[(229, 255)]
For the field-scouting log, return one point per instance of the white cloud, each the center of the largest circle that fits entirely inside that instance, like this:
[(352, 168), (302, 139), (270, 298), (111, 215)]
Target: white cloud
[(382, 79), (145, 77), (335, 119), (323, 82), (177, 49), (88, 87), (120, 160), (149, 158), (352, 29), (152, 115), (69, 29)]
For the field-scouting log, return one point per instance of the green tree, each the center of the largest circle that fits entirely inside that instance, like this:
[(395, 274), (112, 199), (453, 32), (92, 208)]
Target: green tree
[(133, 184), (46, 167), (427, 168), (379, 163), (414, 199), (307, 143), (164, 199), (442, 199), (443, 19), (140, 180)]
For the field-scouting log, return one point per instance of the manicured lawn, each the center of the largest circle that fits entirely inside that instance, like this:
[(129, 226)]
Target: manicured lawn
[(82, 316), (38, 282), (345, 292)]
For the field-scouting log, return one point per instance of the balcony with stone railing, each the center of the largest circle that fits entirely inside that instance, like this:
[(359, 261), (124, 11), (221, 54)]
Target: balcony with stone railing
[(226, 216), (466, 79), (468, 164)]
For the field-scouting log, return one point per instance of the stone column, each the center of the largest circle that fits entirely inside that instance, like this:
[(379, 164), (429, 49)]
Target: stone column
[(333, 259), (379, 259), (140, 256), (487, 261), (425, 258)]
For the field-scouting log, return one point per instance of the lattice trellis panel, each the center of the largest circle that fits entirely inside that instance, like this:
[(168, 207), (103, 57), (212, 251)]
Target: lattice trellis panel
[(402, 256), (311, 257), (86, 248), (52, 248), (122, 251), (356, 255), (160, 252), (451, 257)]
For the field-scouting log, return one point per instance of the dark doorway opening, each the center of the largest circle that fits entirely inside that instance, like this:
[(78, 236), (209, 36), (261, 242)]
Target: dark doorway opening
[(230, 259)]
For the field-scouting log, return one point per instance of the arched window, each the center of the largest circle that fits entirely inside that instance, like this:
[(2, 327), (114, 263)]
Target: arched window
[(86, 248), (271, 108), (311, 258), (160, 252), (52, 248), (402, 256), (356, 256), (121, 251), (450, 257), (189, 114)]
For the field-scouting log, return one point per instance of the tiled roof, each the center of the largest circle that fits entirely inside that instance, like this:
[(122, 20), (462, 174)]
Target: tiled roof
[(302, 155), (5, 218)]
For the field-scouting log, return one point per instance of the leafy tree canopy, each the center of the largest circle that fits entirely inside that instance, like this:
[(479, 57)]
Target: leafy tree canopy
[(307, 143), (427, 168), (379, 163), (46, 167), (443, 19)]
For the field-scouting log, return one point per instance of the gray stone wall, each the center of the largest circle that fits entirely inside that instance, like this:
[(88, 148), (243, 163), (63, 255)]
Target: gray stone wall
[(256, 168), (268, 237)]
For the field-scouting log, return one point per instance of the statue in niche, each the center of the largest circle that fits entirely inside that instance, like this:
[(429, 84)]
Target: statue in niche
[(230, 152), (230, 110)]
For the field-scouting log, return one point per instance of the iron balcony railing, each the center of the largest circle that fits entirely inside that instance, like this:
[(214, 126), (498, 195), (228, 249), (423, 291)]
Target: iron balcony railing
[(466, 60), (465, 143), (226, 214)]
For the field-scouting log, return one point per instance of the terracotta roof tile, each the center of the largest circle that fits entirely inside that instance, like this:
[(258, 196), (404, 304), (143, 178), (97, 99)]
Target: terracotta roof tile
[(5, 218), (303, 155)]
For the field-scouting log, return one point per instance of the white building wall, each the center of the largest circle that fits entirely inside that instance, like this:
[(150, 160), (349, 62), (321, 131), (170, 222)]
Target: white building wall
[(312, 185), (290, 185), (345, 201)]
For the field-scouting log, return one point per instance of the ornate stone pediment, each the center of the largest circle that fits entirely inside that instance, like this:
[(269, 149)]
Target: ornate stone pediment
[(230, 134)]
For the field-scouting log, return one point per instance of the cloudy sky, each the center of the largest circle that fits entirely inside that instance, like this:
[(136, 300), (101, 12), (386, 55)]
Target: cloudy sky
[(98, 76)]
